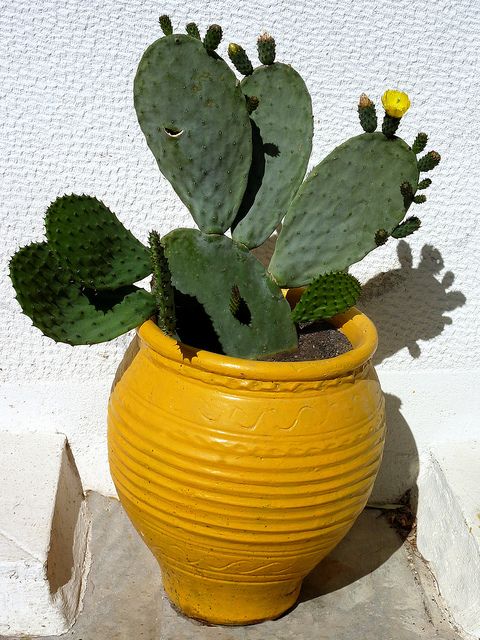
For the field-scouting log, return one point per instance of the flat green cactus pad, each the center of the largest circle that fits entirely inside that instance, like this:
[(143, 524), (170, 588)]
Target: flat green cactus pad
[(333, 220), (247, 309), (326, 296), (283, 130), (66, 312), (91, 242), (196, 124)]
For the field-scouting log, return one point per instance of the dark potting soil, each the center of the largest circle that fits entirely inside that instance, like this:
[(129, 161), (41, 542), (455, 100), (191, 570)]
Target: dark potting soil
[(316, 341)]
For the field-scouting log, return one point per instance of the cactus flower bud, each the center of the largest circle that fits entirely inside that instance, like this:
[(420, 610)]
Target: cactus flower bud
[(395, 103), (367, 114), (239, 58), (266, 48)]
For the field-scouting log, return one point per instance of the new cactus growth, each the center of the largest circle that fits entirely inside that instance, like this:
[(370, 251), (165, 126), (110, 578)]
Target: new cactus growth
[(236, 153)]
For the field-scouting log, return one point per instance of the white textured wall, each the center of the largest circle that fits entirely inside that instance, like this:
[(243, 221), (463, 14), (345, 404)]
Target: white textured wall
[(68, 125)]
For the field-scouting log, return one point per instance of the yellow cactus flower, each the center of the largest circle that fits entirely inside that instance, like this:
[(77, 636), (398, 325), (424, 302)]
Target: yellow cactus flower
[(395, 103)]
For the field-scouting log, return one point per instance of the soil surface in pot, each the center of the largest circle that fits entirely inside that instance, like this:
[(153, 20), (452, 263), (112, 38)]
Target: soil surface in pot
[(316, 341)]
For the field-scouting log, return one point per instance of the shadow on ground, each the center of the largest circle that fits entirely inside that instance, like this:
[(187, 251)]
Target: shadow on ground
[(370, 543)]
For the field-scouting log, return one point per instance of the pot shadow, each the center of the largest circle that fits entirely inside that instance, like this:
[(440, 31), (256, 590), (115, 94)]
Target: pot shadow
[(378, 532), (408, 304)]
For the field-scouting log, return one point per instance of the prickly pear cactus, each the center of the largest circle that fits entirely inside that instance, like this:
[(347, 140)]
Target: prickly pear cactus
[(282, 138), (90, 241), (327, 296), (196, 123), (247, 310), (346, 199), (68, 312)]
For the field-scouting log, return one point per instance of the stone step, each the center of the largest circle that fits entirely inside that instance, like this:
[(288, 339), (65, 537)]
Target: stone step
[(44, 533), (449, 526)]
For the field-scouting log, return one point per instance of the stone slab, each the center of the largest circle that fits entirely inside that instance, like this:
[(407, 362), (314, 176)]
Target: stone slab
[(372, 586), (44, 530), (449, 527)]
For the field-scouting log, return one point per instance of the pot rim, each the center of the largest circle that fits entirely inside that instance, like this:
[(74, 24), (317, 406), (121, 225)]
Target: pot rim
[(354, 324)]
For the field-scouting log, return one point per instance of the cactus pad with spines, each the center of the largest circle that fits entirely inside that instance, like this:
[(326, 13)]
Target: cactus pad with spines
[(239, 58), (345, 200), (213, 37), (67, 312), (429, 161), (326, 296), (166, 25), (424, 184), (192, 30), (266, 49), (367, 114), (195, 120), (283, 130), (93, 244), (406, 228), (216, 271), (420, 142)]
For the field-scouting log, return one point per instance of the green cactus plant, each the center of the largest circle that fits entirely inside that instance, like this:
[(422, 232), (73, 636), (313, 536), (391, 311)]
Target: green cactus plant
[(236, 153)]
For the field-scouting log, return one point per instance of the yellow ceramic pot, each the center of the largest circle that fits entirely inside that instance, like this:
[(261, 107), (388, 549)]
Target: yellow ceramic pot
[(242, 475)]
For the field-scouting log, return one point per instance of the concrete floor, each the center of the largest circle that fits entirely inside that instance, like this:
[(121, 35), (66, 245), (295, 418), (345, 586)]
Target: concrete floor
[(373, 586)]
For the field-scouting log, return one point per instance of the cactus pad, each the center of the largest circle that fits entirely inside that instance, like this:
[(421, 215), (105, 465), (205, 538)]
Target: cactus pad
[(345, 200), (283, 141), (406, 228), (326, 296), (67, 312), (196, 124), (162, 286), (93, 244), (224, 276), (239, 58)]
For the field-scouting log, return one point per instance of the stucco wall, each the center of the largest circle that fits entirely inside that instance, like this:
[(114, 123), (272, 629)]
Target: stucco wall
[(68, 125)]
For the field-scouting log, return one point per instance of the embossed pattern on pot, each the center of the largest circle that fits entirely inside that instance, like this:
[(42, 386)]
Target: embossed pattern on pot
[(239, 492)]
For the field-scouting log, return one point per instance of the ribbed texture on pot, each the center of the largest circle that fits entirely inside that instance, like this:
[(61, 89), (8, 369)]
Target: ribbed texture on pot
[(241, 486)]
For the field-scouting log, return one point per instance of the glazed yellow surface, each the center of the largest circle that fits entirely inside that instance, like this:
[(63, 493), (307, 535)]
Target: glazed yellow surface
[(242, 475)]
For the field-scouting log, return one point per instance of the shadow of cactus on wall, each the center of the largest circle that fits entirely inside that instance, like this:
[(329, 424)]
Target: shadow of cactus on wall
[(408, 304)]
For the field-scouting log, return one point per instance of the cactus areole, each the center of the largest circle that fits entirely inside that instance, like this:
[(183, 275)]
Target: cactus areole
[(241, 473)]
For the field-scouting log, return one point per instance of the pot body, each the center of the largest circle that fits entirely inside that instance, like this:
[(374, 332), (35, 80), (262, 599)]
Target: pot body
[(241, 476)]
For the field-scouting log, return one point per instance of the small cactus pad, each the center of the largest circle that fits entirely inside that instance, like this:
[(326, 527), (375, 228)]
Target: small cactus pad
[(429, 161), (367, 114), (192, 30), (326, 296), (166, 25), (67, 312), (424, 184), (390, 125), (266, 48), (195, 120), (213, 37), (217, 271), (345, 200), (162, 286), (283, 141), (93, 244), (420, 143), (239, 58), (406, 228)]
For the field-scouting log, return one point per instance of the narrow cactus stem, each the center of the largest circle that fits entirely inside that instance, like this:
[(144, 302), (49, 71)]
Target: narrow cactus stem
[(192, 30), (429, 161), (239, 58), (252, 103), (162, 286), (212, 37), (266, 48), (424, 184), (390, 125), (367, 114), (420, 143), (166, 25)]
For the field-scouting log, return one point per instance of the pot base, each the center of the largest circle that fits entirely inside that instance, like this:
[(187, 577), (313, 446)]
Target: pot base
[(228, 603)]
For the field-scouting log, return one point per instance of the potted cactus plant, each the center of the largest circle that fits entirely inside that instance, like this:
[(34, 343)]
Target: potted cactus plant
[(239, 472)]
